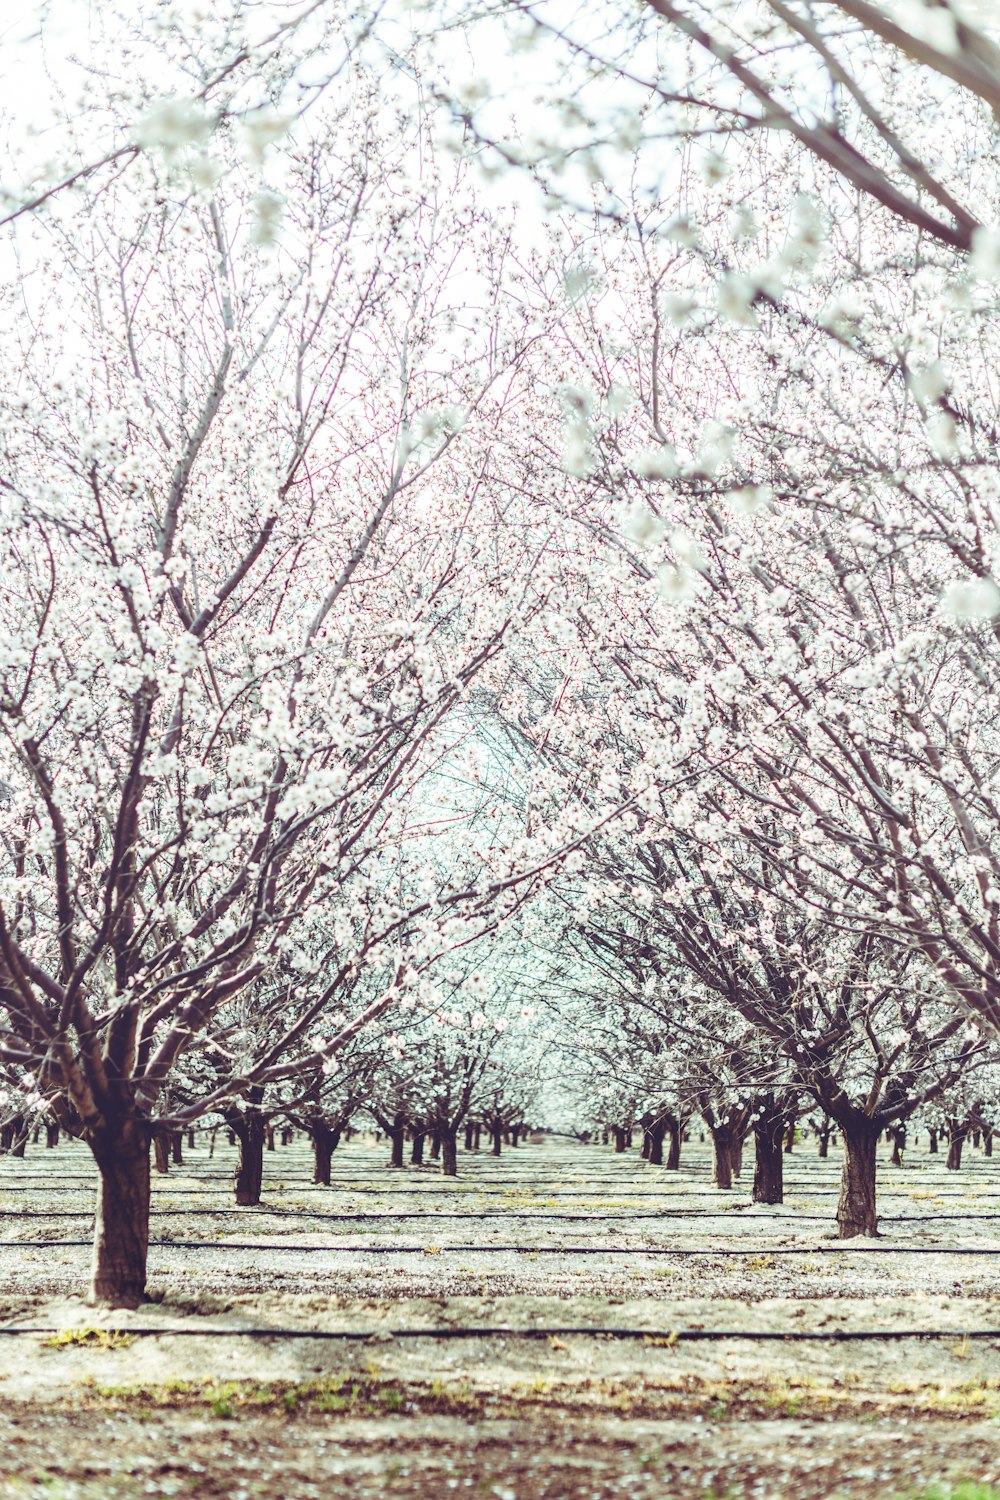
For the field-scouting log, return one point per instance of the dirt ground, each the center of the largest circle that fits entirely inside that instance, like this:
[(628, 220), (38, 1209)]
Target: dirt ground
[(176, 1400)]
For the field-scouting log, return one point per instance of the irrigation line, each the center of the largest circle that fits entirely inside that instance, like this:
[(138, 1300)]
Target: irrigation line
[(734, 1215), (666, 1336), (605, 1250)]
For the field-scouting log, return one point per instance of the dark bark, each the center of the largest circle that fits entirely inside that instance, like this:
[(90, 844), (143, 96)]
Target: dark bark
[(856, 1211), (468, 1137), (768, 1137), (397, 1137), (325, 1142), (51, 1134), (190, 1140), (790, 1138), (898, 1137), (824, 1141), (121, 1217), (161, 1152), (417, 1149), (435, 1145), (497, 1135), (449, 1151), (476, 1138), (515, 1136), (655, 1135), (620, 1138), (249, 1175), (932, 1142), (176, 1154), (987, 1142), (722, 1147), (270, 1138), (674, 1149), (957, 1133)]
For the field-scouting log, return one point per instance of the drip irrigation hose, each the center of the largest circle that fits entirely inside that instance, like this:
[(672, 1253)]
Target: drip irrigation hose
[(351, 1249), (667, 1336)]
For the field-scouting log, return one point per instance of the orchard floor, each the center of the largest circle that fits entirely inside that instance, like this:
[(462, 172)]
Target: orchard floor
[(539, 1265)]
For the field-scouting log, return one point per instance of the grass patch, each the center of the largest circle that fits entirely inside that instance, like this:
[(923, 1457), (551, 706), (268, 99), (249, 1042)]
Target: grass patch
[(88, 1338)]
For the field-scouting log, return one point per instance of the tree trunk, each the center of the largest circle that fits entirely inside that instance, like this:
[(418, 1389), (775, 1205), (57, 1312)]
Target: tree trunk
[(325, 1142), (190, 1140), (956, 1140), (249, 1175), (176, 1154), (476, 1137), (515, 1135), (435, 1145), (161, 1152), (987, 1142), (736, 1153), (449, 1152), (856, 1213), (656, 1134), (898, 1138), (270, 1138), (619, 1135), (51, 1134), (768, 1136), (497, 1140), (121, 1217), (674, 1149), (789, 1137), (417, 1150), (397, 1135), (722, 1146), (468, 1137), (932, 1142), (824, 1141)]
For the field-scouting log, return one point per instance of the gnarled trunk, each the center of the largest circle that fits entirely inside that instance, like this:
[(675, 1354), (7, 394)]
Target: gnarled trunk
[(722, 1147), (957, 1133), (397, 1136), (249, 1175), (121, 1217), (325, 1142), (449, 1151), (856, 1211), (768, 1138)]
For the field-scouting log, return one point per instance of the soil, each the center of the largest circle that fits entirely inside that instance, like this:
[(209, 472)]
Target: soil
[(97, 1408)]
